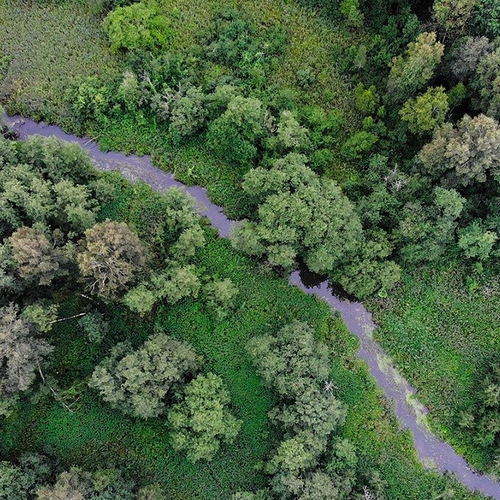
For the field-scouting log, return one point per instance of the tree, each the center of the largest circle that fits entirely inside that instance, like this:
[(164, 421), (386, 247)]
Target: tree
[(102, 484), (476, 242), (56, 159), (138, 26), (296, 454), (428, 232), (467, 55), (299, 215), (75, 207), (112, 256), (89, 100), (296, 365), (41, 315), (32, 191), (70, 485), (8, 281), (139, 382), (412, 71), (94, 326), (244, 46), (26, 198), (187, 111), (36, 257), (350, 9), (290, 135), (202, 419), (453, 15), (151, 492), (292, 361), (167, 220), (486, 17), (343, 458), (219, 297), (427, 111), (456, 95), (174, 284), (234, 135), (20, 352), (129, 91), (188, 242), (370, 270), (486, 83), (313, 408), (319, 486), (141, 299), (367, 98), (20, 482), (257, 495), (358, 144), (469, 152), (8, 152), (6, 131)]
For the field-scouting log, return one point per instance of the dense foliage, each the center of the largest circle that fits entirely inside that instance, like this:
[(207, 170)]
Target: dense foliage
[(357, 139), (201, 421), (138, 383)]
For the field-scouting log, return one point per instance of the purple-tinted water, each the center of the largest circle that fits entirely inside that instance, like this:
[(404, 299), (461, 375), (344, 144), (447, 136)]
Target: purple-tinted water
[(134, 168), (432, 452)]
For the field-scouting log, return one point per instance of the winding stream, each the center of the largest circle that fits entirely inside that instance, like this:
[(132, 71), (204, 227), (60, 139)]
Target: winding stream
[(432, 452)]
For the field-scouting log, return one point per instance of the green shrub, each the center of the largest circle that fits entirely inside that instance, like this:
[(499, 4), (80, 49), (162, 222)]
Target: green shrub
[(89, 100), (201, 421), (137, 26), (139, 382)]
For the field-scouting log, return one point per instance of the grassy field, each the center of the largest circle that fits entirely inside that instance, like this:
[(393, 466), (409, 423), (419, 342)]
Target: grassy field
[(442, 331), (46, 45)]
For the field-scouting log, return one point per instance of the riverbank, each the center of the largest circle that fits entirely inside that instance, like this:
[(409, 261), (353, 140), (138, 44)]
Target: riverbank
[(431, 451)]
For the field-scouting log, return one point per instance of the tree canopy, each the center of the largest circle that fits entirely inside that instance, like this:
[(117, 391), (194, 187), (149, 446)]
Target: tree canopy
[(21, 351), (111, 257), (300, 216), (466, 153), (139, 382), (202, 420), (411, 71)]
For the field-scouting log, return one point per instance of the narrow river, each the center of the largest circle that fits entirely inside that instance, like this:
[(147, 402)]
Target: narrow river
[(432, 452)]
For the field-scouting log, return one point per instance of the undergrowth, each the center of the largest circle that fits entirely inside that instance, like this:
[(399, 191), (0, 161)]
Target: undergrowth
[(92, 434), (439, 327)]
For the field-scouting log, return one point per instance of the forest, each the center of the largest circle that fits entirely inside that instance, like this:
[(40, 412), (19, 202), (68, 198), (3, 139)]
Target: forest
[(146, 358)]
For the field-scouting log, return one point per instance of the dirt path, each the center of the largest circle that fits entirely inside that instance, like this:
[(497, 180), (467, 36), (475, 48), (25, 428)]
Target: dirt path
[(432, 452)]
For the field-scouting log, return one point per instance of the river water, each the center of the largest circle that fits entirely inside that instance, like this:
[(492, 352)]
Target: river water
[(433, 453)]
